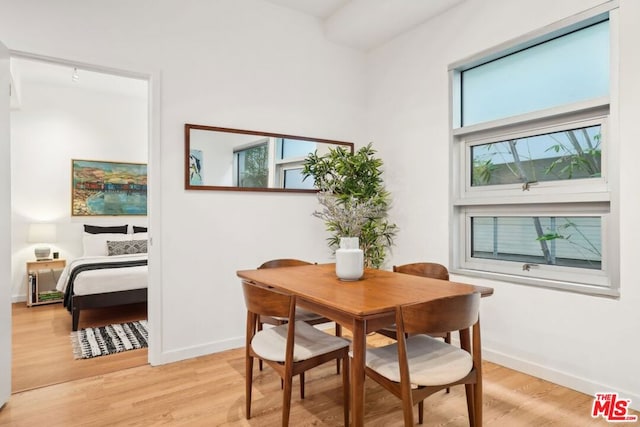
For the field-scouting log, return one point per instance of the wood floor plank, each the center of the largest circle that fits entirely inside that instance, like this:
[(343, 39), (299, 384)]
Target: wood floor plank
[(41, 349), (209, 391)]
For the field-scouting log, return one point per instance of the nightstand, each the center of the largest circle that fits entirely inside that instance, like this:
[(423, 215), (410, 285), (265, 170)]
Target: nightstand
[(42, 277)]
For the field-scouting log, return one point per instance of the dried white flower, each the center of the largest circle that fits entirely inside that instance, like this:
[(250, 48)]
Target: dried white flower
[(346, 216)]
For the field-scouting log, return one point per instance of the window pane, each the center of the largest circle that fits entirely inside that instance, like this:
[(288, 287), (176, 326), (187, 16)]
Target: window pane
[(253, 167), (570, 154), (293, 178), (567, 69), (293, 148), (561, 241)]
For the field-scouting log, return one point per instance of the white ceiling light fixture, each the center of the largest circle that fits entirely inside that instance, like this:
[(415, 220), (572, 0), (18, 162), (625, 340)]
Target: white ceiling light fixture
[(75, 77)]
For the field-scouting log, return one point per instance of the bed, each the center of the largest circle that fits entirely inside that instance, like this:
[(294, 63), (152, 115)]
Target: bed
[(112, 271)]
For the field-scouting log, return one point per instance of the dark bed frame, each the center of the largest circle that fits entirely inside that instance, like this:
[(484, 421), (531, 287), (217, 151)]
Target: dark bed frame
[(108, 299)]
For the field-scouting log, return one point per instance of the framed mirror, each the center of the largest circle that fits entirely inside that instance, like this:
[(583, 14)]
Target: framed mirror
[(243, 160)]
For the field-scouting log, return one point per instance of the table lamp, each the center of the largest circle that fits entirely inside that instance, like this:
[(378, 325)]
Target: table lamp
[(40, 234)]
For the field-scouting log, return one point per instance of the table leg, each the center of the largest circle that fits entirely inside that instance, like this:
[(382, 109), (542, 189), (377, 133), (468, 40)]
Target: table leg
[(357, 374)]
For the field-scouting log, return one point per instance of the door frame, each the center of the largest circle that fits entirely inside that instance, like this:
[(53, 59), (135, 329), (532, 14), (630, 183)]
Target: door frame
[(154, 192), (5, 227)]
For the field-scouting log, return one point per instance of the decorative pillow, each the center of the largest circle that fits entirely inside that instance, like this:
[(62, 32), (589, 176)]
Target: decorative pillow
[(138, 229), (98, 229), (126, 247), (96, 244)]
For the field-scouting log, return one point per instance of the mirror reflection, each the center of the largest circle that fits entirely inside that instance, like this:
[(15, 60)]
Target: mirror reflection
[(233, 159)]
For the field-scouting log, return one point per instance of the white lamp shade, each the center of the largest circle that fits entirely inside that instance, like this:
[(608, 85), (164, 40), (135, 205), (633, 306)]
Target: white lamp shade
[(42, 233)]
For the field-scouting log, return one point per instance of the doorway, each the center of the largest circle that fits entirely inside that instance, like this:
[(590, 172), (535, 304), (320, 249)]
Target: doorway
[(62, 111)]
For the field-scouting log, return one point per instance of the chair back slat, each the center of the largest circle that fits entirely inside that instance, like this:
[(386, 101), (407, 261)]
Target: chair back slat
[(283, 262), (444, 314), (426, 269), (267, 302)]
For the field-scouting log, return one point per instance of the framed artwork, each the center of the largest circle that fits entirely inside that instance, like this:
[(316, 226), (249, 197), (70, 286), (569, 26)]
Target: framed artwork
[(108, 188), (195, 167)]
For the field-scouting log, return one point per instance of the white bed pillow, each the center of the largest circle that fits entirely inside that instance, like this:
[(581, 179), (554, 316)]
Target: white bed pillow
[(96, 244)]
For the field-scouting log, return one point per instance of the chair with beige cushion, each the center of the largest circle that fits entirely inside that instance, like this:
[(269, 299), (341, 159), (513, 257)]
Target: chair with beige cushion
[(425, 269), (301, 314), (290, 348), (418, 365)]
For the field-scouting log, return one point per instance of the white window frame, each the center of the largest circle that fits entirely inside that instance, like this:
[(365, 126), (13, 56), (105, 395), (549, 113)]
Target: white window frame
[(283, 167), (578, 197), (574, 188)]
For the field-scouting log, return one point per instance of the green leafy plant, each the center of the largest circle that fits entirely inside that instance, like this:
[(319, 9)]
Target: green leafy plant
[(354, 200)]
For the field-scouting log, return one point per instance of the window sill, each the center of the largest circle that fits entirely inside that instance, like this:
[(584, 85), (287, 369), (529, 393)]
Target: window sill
[(572, 287)]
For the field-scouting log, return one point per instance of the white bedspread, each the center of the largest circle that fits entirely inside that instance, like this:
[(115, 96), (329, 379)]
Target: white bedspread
[(107, 279)]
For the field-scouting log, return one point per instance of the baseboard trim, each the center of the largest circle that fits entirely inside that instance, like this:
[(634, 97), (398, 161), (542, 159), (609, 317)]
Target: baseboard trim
[(200, 350), (214, 347), (18, 298), (564, 379)]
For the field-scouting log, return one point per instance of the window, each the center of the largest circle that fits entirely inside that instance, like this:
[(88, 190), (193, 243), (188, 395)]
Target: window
[(532, 144)]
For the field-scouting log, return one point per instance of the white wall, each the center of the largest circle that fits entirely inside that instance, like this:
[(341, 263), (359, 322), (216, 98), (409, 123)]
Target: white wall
[(54, 124), (234, 63), (588, 343)]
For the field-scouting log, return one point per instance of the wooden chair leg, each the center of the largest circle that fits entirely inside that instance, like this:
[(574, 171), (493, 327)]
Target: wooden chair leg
[(477, 402), (248, 385), (447, 339), (407, 411), (421, 412), (345, 389), (302, 385), (259, 360), (338, 334), (468, 388), (286, 401)]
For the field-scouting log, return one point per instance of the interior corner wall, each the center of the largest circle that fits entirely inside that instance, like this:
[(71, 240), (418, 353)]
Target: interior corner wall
[(54, 124), (583, 342)]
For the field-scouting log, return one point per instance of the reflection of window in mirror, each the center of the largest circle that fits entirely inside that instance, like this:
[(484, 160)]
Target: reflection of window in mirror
[(290, 156), (292, 178), (251, 165)]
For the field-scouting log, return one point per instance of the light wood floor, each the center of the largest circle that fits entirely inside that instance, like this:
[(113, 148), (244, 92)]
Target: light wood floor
[(42, 352), (209, 391)]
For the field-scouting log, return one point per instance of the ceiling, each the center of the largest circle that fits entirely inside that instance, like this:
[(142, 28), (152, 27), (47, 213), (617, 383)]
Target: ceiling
[(361, 24), (27, 72), (366, 24)]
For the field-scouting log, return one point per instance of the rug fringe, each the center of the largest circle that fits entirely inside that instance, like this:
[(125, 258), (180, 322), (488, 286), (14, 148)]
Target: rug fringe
[(75, 343)]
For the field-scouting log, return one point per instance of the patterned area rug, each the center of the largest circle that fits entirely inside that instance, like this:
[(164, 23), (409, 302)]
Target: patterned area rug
[(94, 342)]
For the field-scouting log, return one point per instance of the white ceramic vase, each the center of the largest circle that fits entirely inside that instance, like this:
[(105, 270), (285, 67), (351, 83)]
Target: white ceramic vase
[(349, 259)]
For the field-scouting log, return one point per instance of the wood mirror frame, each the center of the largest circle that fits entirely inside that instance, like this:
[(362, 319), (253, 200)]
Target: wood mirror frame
[(232, 143)]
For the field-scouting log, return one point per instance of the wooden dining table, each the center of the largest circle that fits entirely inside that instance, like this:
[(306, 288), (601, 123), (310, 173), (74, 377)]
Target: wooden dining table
[(363, 306)]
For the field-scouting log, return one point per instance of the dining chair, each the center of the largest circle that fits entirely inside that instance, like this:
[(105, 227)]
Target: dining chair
[(419, 365), (425, 269), (301, 314), (432, 270), (290, 348)]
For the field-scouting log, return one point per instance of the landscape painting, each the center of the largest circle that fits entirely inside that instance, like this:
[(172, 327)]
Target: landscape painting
[(108, 188)]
